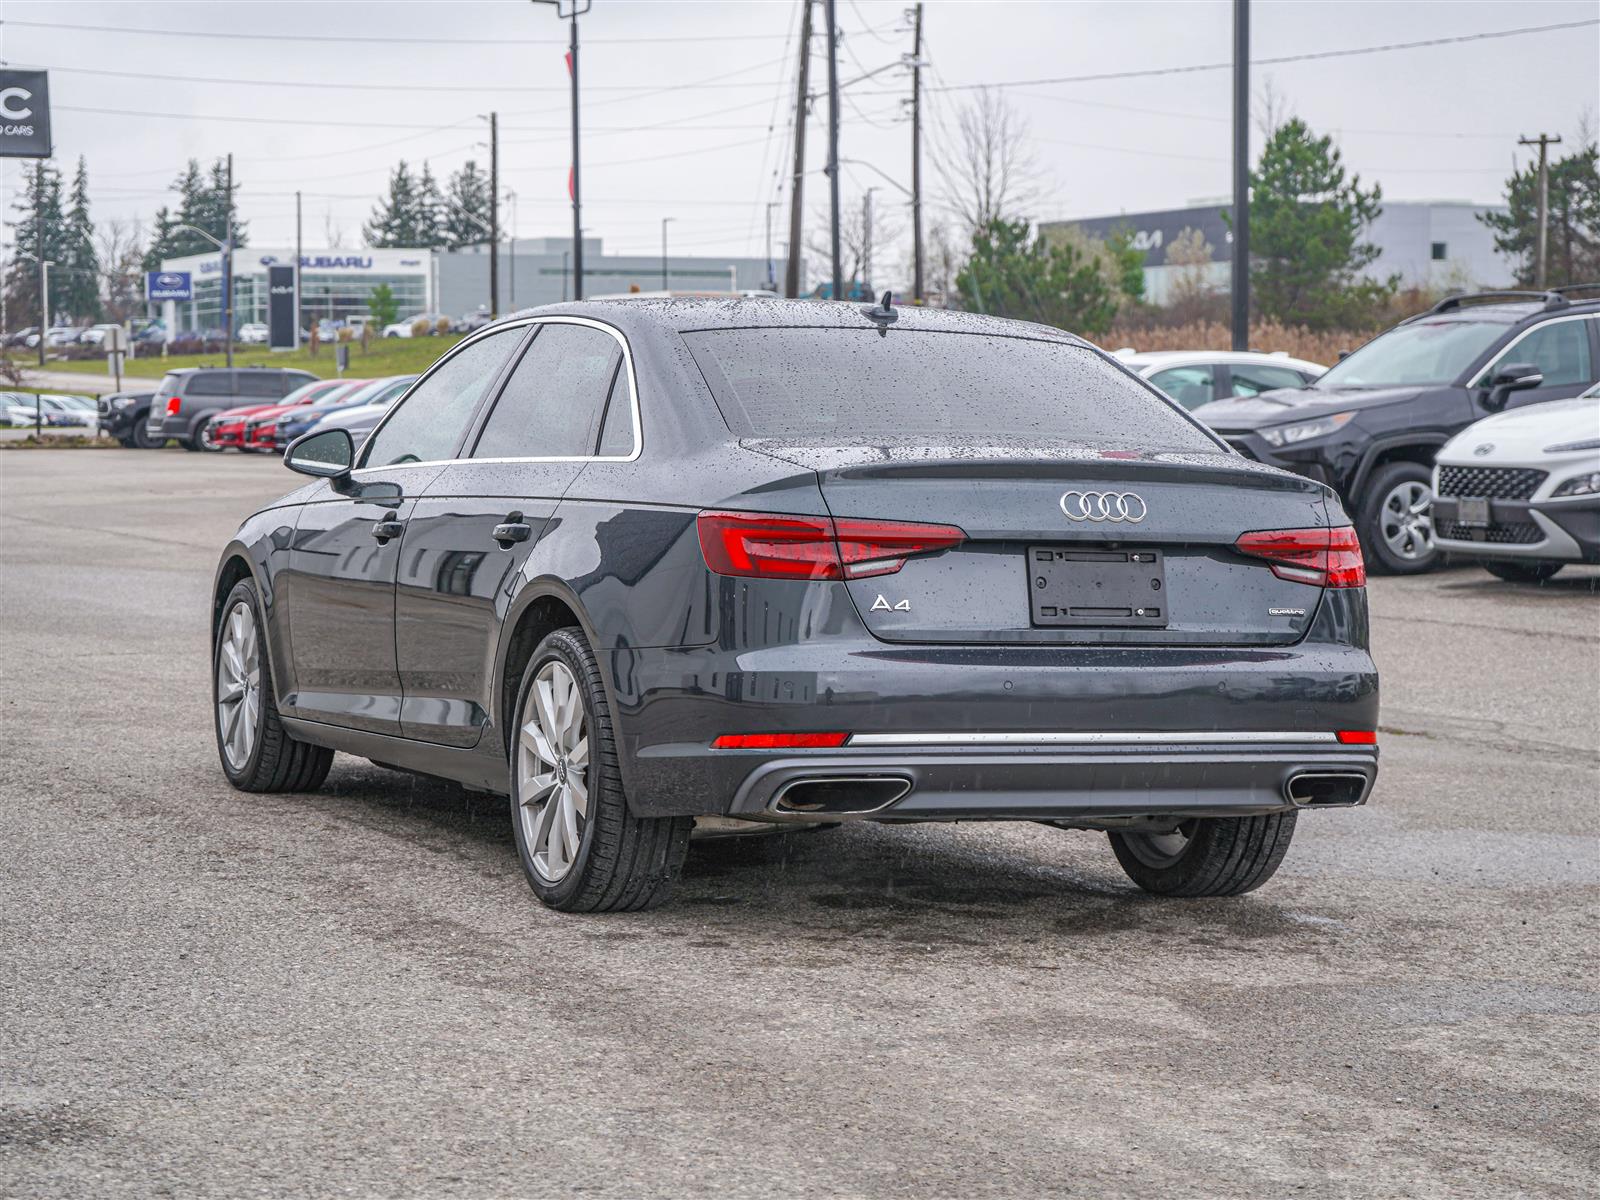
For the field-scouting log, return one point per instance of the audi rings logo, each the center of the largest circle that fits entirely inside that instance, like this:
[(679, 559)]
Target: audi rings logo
[(1115, 507)]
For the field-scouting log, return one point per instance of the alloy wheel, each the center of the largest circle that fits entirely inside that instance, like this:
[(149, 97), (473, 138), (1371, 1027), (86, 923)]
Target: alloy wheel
[(206, 435), (1406, 520), (1161, 849), (239, 685), (553, 770)]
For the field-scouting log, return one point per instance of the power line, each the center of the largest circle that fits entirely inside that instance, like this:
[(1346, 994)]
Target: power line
[(1271, 62)]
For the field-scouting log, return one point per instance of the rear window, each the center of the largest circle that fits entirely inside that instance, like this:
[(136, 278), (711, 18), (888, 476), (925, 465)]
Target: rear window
[(855, 386), (169, 383)]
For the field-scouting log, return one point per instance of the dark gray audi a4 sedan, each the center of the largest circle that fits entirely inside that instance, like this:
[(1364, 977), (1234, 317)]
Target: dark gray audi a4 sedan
[(641, 565)]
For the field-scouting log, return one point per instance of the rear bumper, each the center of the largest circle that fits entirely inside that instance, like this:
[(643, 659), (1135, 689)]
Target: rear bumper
[(995, 732)]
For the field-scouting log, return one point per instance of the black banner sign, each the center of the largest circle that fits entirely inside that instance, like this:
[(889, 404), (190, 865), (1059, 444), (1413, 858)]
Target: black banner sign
[(282, 316), (24, 114)]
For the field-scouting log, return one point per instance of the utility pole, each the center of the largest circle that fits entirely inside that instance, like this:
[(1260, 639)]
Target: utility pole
[(299, 253), (227, 268), (772, 283), (665, 221), (38, 249), (494, 215), (791, 274), (833, 142), (577, 194), (916, 156), (1241, 174), (1541, 262), (866, 238), (512, 271)]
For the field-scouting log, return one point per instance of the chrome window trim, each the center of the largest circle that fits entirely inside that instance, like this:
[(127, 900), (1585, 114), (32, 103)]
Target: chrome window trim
[(1483, 373), (1177, 738), (500, 327)]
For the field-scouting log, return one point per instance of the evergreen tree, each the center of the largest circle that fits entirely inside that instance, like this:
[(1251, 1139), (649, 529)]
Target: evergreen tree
[(39, 231), (466, 219), (430, 211), (79, 264), (1013, 274), (393, 221), (1573, 237), (160, 240), (1306, 223), (205, 203)]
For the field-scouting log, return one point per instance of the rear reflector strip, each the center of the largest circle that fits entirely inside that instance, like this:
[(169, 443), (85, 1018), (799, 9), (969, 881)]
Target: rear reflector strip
[(1176, 738), (778, 741), (1359, 737)]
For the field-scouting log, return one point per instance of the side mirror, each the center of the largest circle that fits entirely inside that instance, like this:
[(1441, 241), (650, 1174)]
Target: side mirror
[(1511, 377), (1343, 354), (322, 453)]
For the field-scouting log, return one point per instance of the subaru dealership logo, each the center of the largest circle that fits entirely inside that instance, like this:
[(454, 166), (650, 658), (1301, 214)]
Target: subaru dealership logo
[(168, 285)]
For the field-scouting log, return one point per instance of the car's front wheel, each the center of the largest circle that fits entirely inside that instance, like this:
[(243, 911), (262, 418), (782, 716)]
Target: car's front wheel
[(581, 848), (257, 753), (1397, 520), (1207, 856), (205, 437), (142, 439), (1523, 572)]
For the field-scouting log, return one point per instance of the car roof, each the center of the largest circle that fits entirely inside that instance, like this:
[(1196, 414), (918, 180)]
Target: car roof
[(685, 315), (1173, 358)]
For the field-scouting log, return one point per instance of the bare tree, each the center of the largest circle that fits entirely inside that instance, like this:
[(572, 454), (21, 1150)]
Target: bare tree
[(990, 173), (854, 237), (944, 263), (120, 249), (1272, 108), (332, 234), (1193, 290)]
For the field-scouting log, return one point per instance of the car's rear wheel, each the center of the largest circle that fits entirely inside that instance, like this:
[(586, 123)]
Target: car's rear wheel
[(1397, 520), (1523, 572), (257, 753), (1209, 856), (581, 849)]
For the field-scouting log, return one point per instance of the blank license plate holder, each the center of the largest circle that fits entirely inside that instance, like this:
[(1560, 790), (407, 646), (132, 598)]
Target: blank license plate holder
[(1108, 588), (1473, 512)]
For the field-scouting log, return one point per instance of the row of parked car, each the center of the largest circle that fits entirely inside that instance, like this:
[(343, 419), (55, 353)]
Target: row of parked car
[(55, 410), (253, 409)]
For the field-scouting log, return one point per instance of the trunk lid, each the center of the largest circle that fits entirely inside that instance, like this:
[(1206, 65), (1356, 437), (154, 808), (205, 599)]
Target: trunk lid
[(1165, 574)]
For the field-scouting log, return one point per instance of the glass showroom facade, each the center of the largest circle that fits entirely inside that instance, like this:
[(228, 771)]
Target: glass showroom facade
[(334, 284)]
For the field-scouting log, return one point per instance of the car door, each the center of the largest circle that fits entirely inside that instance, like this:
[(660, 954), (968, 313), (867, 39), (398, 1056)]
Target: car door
[(1564, 352), (1251, 379), (338, 589), (480, 523)]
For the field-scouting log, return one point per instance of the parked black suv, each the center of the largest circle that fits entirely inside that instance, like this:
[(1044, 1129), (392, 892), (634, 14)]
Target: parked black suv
[(1369, 427), (187, 400), (124, 416)]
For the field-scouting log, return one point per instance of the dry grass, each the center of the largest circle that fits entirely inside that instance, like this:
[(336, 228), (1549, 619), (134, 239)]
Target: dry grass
[(1315, 346)]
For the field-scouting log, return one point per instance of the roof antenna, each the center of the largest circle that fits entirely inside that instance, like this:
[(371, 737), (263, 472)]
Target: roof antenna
[(884, 315)]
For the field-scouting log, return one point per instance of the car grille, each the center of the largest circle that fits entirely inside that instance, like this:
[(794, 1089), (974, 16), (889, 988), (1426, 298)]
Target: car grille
[(1514, 533), (1495, 483)]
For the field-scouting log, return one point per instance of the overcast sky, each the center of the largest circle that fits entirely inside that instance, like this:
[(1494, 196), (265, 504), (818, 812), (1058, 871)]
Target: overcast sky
[(1429, 123)]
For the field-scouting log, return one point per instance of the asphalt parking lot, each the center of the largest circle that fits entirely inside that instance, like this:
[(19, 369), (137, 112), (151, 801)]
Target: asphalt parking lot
[(353, 992)]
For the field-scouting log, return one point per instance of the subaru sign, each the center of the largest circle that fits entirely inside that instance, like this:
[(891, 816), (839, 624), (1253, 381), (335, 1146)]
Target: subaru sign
[(168, 285), (24, 114)]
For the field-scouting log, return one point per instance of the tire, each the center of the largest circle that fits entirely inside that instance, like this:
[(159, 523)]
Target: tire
[(1213, 856), (189, 444), (141, 438), (1397, 534), (127, 443), (203, 439), (565, 779), (259, 755), (1522, 572)]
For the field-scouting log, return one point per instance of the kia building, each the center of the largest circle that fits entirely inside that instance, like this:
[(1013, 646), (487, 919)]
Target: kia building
[(334, 284)]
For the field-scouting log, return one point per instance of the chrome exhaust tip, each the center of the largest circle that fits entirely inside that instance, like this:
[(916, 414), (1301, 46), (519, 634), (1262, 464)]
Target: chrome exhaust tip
[(1326, 789), (839, 796)]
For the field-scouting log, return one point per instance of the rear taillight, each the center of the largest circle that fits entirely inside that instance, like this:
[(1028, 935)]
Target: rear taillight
[(781, 546), (174, 403), (1320, 557)]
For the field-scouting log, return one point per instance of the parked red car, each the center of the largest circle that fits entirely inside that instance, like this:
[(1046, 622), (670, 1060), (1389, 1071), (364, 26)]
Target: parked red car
[(231, 427), (261, 427)]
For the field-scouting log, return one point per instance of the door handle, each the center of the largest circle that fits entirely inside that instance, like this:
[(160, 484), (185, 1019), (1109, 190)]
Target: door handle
[(512, 532), (387, 528)]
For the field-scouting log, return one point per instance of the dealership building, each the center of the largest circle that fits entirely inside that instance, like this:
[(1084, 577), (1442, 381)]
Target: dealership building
[(338, 283), (1434, 244)]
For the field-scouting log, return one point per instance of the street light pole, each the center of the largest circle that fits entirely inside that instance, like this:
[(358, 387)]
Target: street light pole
[(227, 270), (1241, 175), (665, 221), (573, 10)]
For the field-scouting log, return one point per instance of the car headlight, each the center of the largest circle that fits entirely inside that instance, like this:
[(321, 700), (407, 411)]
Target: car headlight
[(1304, 431), (1580, 485), (123, 402), (1568, 447)]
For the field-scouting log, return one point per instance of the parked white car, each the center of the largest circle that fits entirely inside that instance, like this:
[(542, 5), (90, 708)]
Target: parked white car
[(1196, 377), (253, 334), (406, 326), (1520, 491)]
